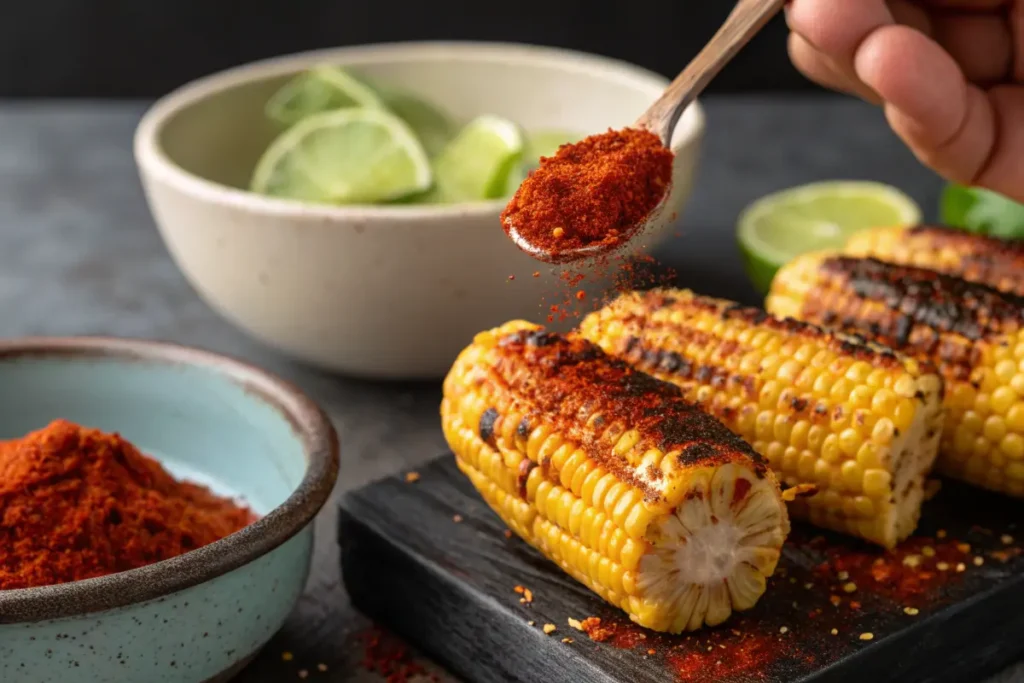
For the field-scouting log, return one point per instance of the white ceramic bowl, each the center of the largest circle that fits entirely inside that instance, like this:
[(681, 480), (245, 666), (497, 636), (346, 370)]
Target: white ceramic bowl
[(378, 291)]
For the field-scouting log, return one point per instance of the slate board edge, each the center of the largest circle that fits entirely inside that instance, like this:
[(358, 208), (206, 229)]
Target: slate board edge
[(502, 641), (372, 558)]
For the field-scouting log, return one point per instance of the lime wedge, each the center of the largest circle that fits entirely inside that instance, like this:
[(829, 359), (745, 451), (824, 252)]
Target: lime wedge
[(780, 226), (320, 89), (346, 156), (434, 128), (477, 164)]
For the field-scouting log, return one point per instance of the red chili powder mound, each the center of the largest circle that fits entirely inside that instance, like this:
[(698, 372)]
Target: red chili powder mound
[(76, 503), (598, 191)]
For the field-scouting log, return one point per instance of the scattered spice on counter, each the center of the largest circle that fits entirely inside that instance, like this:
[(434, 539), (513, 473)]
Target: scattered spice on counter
[(526, 593), (549, 628), (412, 477), (867, 636), (567, 640), (911, 611), (457, 519), (596, 192), (389, 657), (77, 503), (507, 533)]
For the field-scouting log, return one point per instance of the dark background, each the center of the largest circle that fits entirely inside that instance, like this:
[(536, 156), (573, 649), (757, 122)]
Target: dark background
[(143, 48)]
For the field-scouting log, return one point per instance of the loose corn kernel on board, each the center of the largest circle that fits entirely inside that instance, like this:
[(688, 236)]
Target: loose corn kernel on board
[(947, 605)]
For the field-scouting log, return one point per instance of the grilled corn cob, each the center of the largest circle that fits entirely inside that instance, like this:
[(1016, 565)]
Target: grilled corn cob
[(651, 504), (987, 260), (858, 424), (972, 332)]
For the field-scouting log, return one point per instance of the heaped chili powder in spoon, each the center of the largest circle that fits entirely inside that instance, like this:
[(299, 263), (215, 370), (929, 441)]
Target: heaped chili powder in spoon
[(591, 197)]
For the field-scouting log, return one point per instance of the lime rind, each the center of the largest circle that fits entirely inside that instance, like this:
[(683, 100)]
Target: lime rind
[(321, 88), (289, 170), (782, 225)]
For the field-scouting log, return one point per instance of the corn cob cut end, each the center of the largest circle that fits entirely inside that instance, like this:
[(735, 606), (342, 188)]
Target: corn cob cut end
[(678, 537), (853, 420)]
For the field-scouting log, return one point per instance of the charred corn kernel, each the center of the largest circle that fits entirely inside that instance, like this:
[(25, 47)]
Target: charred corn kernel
[(652, 504), (971, 332), (987, 260), (827, 432)]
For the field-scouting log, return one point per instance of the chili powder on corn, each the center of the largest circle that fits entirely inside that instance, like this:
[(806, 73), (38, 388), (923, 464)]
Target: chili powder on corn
[(77, 503), (596, 192)]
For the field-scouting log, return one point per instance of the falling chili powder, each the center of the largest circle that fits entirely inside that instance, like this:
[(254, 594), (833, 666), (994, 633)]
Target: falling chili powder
[(77, 503), (596, 192)]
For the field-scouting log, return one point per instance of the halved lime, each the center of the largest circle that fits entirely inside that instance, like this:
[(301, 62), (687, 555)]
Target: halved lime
[(434, 128), (785, 224), (476, 165), (345, 156), (320, 89)]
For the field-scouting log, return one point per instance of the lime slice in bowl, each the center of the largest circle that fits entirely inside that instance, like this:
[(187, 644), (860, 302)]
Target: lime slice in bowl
[(477, 164), (320, 89), (345, 156), (783, 225), (434, 128), (544, 143)]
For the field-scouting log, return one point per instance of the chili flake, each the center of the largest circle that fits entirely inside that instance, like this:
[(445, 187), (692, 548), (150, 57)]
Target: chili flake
[(412, 477), (549, 628), (911, 611), (867, 636)]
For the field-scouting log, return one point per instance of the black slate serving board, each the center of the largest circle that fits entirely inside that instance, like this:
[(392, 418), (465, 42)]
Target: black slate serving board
[(447, 587)]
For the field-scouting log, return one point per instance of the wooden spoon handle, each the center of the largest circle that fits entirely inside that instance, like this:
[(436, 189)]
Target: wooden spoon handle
[(743, 23)]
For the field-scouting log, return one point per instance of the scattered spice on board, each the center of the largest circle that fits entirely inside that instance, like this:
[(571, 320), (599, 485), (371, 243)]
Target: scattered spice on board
[(592, 627), (596, 192), (412, 477), (77, 503)]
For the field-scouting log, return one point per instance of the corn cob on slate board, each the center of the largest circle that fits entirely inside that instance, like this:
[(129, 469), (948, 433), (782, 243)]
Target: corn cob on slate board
[(447, 587)]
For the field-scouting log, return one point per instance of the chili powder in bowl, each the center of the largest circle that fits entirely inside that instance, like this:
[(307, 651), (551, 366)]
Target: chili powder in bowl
[(156, 508)]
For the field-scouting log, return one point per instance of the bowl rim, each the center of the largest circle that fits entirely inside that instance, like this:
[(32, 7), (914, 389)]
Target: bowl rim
[(309, 423), (153, 160)]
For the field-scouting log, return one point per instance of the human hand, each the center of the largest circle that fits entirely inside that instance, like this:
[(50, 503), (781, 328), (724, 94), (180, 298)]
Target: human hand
[(949, 74)]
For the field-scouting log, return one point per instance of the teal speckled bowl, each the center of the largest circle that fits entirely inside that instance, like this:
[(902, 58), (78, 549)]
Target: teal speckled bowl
[(203, 615)]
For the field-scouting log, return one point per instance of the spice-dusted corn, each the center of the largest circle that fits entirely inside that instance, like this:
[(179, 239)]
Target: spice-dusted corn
[(653, 505), (986, 260), (974, 333), (857, 425)]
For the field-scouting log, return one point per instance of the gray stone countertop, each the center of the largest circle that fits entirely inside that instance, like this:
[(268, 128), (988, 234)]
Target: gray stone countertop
[(79, 255)]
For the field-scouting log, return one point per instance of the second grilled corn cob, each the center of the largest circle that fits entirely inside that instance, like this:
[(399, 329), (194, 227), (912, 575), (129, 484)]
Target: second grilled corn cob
[(975, 334), (987, 260), (653, 505), (858, 423)]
